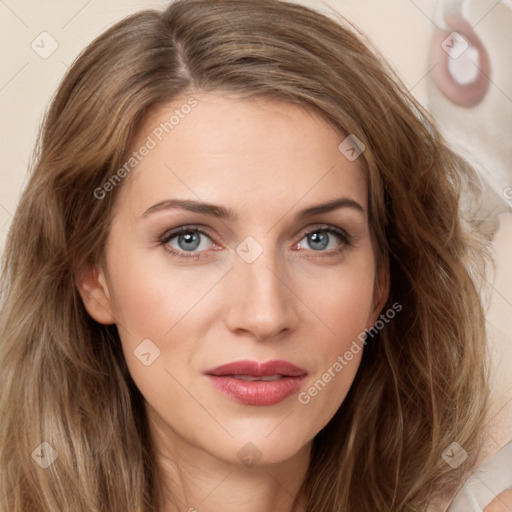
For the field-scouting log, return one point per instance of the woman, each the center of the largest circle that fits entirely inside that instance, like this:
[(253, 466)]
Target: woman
[(238, 278)]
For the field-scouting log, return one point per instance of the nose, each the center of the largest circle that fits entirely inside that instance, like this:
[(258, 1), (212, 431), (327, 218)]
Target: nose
[(261, 299)]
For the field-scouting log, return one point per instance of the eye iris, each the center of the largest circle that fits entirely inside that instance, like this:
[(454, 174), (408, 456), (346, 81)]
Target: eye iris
[(318, 240), (191, 238)]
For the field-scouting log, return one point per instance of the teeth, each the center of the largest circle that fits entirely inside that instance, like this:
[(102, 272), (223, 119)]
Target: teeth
[(252, 378)]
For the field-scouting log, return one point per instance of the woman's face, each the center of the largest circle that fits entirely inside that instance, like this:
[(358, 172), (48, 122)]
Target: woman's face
[(264, 275)]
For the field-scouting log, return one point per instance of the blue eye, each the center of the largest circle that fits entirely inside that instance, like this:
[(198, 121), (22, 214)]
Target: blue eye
[(189, 241), (322, 238)]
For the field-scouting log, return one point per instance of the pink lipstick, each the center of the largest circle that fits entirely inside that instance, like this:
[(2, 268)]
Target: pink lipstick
[(253, 383)]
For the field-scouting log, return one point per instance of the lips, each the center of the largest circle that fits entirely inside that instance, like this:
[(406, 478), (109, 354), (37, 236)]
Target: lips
[(253, 383)]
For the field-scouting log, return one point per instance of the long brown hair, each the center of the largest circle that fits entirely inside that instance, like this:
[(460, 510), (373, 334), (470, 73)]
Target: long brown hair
[(422, 382)]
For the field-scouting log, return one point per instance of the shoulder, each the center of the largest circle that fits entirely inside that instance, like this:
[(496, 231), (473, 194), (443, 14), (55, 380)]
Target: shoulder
[(489, 487), (502, 502)]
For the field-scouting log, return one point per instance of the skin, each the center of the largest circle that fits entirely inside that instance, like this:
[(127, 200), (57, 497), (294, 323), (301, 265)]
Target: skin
[(266, 161), (502, 503)]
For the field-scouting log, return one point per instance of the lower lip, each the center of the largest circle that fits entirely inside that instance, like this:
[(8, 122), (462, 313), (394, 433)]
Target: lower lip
[(258, 392)]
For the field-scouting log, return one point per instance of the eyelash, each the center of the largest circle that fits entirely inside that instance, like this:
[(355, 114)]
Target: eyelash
[(346, 240)]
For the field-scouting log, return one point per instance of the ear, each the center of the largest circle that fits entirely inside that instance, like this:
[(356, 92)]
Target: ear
[(95, 294), (380, 292)]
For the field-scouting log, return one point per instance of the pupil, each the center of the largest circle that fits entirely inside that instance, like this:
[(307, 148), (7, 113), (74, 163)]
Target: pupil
[(318, 240), (192, 239)]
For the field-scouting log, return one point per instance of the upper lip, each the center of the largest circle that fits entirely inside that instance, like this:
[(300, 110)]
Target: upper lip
[(256, 369)]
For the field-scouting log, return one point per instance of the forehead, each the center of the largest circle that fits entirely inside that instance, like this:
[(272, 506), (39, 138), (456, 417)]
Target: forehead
[(246, 152)]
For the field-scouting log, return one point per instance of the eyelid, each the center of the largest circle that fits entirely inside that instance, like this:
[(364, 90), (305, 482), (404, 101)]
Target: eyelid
[(171, 233), (327, 227)]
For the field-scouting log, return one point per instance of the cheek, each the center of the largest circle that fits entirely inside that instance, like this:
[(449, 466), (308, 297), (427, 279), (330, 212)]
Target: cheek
[(346, 308), (161, 313), (151, 297), (343, 301)]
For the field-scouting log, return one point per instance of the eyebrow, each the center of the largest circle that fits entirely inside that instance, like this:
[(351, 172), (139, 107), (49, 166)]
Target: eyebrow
[(225, 213)]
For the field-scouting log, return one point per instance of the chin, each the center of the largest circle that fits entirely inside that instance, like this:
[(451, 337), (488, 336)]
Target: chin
[(262, 446)]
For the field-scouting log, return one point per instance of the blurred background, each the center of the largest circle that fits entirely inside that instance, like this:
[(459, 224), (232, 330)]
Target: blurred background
[(453, 55)]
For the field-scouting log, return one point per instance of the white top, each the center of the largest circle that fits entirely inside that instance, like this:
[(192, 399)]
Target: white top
[(492, 478)]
